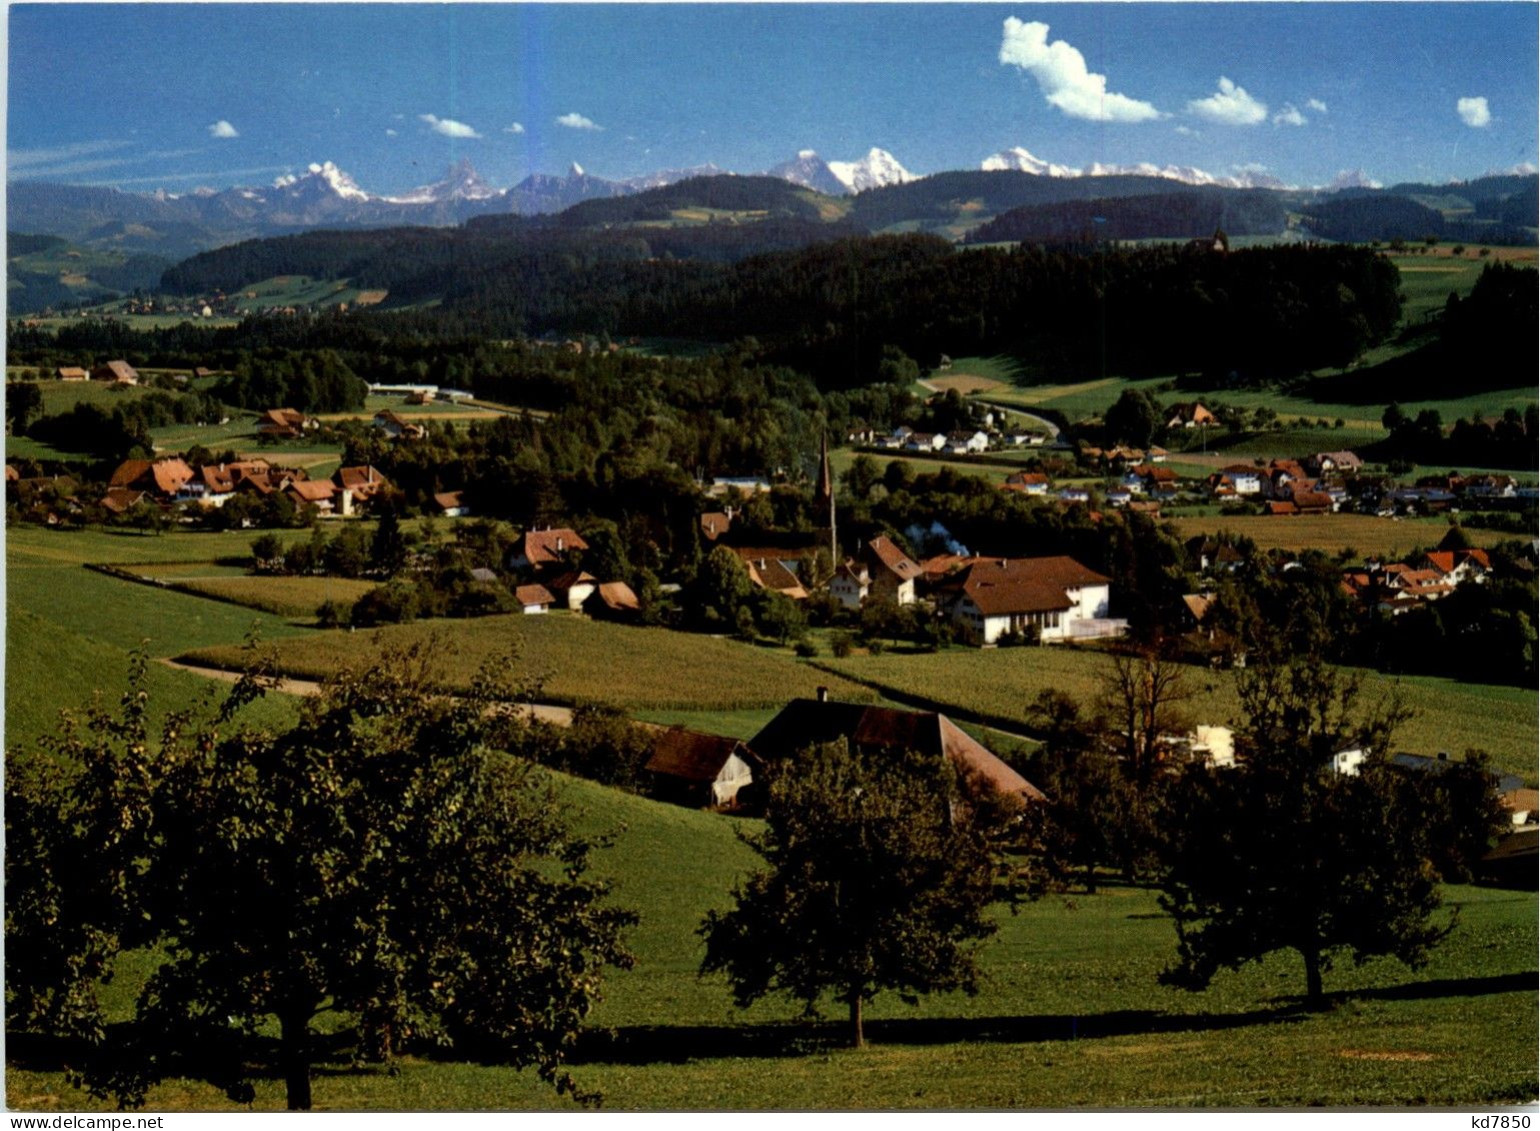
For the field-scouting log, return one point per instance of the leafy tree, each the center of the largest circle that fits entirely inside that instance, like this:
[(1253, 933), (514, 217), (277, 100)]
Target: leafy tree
[(1283, 853), (878, 879), (862, 476), (722, 584), (387, 551), (1133, 418), (382, 858), (23, 401)]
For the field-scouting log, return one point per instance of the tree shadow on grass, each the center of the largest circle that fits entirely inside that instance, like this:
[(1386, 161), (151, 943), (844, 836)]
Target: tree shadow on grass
[(675, 1044)]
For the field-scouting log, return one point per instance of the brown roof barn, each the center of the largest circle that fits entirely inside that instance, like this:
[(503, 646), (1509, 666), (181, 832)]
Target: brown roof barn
[(805, 723)]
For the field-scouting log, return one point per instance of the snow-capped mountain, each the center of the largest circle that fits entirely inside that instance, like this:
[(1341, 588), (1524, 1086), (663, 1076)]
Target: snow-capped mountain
[(810, 171), (664, 177), (1021, 161), (1353, 178), (877, 168), (461, 182), (320, 180)]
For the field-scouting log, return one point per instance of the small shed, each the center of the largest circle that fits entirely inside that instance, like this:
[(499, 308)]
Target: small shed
[(700, 770), (533, 599)]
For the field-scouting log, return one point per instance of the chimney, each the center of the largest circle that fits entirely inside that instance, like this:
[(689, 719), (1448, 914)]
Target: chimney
[(561, 543), (823, 694)]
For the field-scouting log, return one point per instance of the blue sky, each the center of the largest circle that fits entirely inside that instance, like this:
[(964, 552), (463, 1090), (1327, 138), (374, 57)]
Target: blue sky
[(177, 96)]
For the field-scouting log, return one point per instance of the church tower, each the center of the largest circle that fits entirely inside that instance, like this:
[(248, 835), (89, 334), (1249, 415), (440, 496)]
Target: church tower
[(823, 501)]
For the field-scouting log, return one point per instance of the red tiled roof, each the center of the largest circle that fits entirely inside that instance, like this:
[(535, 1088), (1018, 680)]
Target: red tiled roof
[(618, 597), (895, 560), (361, 480), (544, 547), (693, 756), (1002, 586), (533, 595), (713, 524), (449, 500), (805, 723), (313, 490)]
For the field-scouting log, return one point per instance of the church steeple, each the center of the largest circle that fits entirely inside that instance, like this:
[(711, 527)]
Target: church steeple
[(824, 499)]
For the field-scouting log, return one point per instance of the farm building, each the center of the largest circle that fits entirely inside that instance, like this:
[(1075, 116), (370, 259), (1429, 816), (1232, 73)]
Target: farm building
[(1189, 415), (283, 423), (451, 504), (71, 373), (805, 723), (118, 372), (613, 600), (364, 482), (318, 493), (702, 770), (533, 599), (572, 588), (398, 427), (1057, 596), (851, 584), (544, 548), (893, 573), (162, 478)]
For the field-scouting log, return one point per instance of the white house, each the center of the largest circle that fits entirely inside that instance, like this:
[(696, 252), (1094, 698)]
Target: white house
[(892, 572), (925, 442), (533, 599), (850, 584), (967, 443), (1058, 596)]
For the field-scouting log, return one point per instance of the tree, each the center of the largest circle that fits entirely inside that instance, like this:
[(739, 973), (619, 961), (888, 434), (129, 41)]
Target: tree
[(1133, 418), (23, 401), (383, 858), (1281, 852), (879, 878), (387, 550)]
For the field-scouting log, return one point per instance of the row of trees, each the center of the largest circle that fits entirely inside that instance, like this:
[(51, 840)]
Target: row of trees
[(395, 856)]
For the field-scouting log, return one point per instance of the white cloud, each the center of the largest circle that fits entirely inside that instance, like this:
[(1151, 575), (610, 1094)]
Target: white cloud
[(20, 158), (515, 128), (1316, 105), (1288, 116), (448, 126), (1187, 131), (390, 133), (1474, 112), (576, 121), (1230, 105), (1064, 79), (223, 128)]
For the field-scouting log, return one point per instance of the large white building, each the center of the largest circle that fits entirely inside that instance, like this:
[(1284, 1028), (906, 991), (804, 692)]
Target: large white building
[(1057, 596)]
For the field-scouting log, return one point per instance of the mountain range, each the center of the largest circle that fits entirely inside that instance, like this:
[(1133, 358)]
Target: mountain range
[(875, 192)]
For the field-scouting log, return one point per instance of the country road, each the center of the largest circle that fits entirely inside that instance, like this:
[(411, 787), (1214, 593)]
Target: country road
[(544, 712)]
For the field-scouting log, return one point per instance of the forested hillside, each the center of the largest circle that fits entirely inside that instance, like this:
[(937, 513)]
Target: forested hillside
[(1177, 216)]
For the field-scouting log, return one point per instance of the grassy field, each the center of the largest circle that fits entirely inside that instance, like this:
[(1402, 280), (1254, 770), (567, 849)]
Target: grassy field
[(999, 684), (281, 596), (1070, 1016), (1367, 534), (582, 660)]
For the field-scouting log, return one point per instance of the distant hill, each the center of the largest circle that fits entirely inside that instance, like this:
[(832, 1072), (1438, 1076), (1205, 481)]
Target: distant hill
[(46, 271), (1181, 215), (769, 196)]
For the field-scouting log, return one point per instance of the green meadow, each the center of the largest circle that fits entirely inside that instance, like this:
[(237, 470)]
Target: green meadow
[(1071, 1014)]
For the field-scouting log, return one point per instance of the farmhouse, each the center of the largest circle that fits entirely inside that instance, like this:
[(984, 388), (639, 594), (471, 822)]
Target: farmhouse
[(851, 584), (71, 373), (364, 482), (892, 572), (572, 588), (1056, 596), (318, 493), (398, 427), (613, 600), (714, 524), (533, 599), (701, 770), (1027, 482), (118, 372), (544, 548), (806, 723), (451, 504), (283, 423), (1189, 416), (163, 479)]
